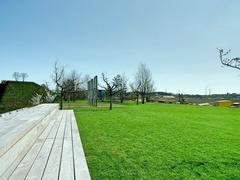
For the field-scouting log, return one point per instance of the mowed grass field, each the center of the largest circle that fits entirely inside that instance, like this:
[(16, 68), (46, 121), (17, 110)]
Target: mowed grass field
[(159, 141)]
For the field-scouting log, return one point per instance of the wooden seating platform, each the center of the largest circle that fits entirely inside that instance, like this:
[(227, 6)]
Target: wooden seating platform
[(41, 143)]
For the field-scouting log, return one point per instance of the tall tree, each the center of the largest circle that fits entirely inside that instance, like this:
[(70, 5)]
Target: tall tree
[(135, 88), (24, 76), (144, 77), (121, 81), (16, 76), (58, 78), (74, 81), (110, 87), (68, 89), (150, 90)]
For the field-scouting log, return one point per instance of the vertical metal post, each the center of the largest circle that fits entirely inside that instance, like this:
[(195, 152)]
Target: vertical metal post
[(88, 93), (93, 91)]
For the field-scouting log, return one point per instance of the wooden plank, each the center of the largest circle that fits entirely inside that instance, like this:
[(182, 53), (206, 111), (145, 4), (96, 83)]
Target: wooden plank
[(58, 153), (81, 168), (66, 169), (55, 128), (11, 121), (38, 167), (14, 155), (60, 133), (27, 162), (53, 120), (52, 168), (25, 165), (68, 131), (53, 165), (66, 165), (23, 124)]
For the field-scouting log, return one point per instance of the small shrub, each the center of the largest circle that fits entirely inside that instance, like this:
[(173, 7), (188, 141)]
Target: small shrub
[(49, 98), (36, 99)]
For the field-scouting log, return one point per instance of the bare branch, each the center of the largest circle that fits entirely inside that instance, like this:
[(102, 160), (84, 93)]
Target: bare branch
[(110, 87), (230, 62), (16, 76), (58, 75), (23, 76), (58, 79), (143, 78)]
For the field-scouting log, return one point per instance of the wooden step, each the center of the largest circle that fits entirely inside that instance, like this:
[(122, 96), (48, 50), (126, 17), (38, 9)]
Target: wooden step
[(20, 132), (56, 154)]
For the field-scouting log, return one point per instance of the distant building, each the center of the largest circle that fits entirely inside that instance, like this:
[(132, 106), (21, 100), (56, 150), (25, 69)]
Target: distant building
[(101, 95), (224, 103), (167, 99), (236, 105), (204, 104)]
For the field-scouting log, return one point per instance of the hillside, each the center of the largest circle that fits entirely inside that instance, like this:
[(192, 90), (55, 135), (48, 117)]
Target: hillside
[(15, 94)]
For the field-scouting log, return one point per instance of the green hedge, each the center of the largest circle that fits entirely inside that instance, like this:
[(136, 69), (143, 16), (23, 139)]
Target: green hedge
[(15, 94)]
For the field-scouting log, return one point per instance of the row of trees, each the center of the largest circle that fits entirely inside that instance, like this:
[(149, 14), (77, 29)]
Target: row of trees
[(230, 62), (141, 87), (68, 86), (118, 86), (20, 76)]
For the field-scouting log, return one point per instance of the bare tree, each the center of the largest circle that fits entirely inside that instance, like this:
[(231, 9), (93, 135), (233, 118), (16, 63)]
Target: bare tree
[(144, 77), (135, 88), (68, 89), (16, 76), (121, 81), (230, 62), (86, 78), (23, 76), (150, 90), (58, 78), (75, 81), (110, 87)]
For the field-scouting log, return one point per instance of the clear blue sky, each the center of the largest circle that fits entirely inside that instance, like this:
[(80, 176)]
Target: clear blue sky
[(176, 39)]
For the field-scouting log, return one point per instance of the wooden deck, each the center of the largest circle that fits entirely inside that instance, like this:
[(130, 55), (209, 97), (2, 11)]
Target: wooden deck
[(57, 153)]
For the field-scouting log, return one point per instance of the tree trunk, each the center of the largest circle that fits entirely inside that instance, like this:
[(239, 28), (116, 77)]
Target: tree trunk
[(147, 98), (121, 99), (73, 96), (137, 98), (110, 102), (143, 99), (61, 101)]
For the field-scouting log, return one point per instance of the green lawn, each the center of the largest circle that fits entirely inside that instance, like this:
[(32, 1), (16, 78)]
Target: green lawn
[(157, 141)]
